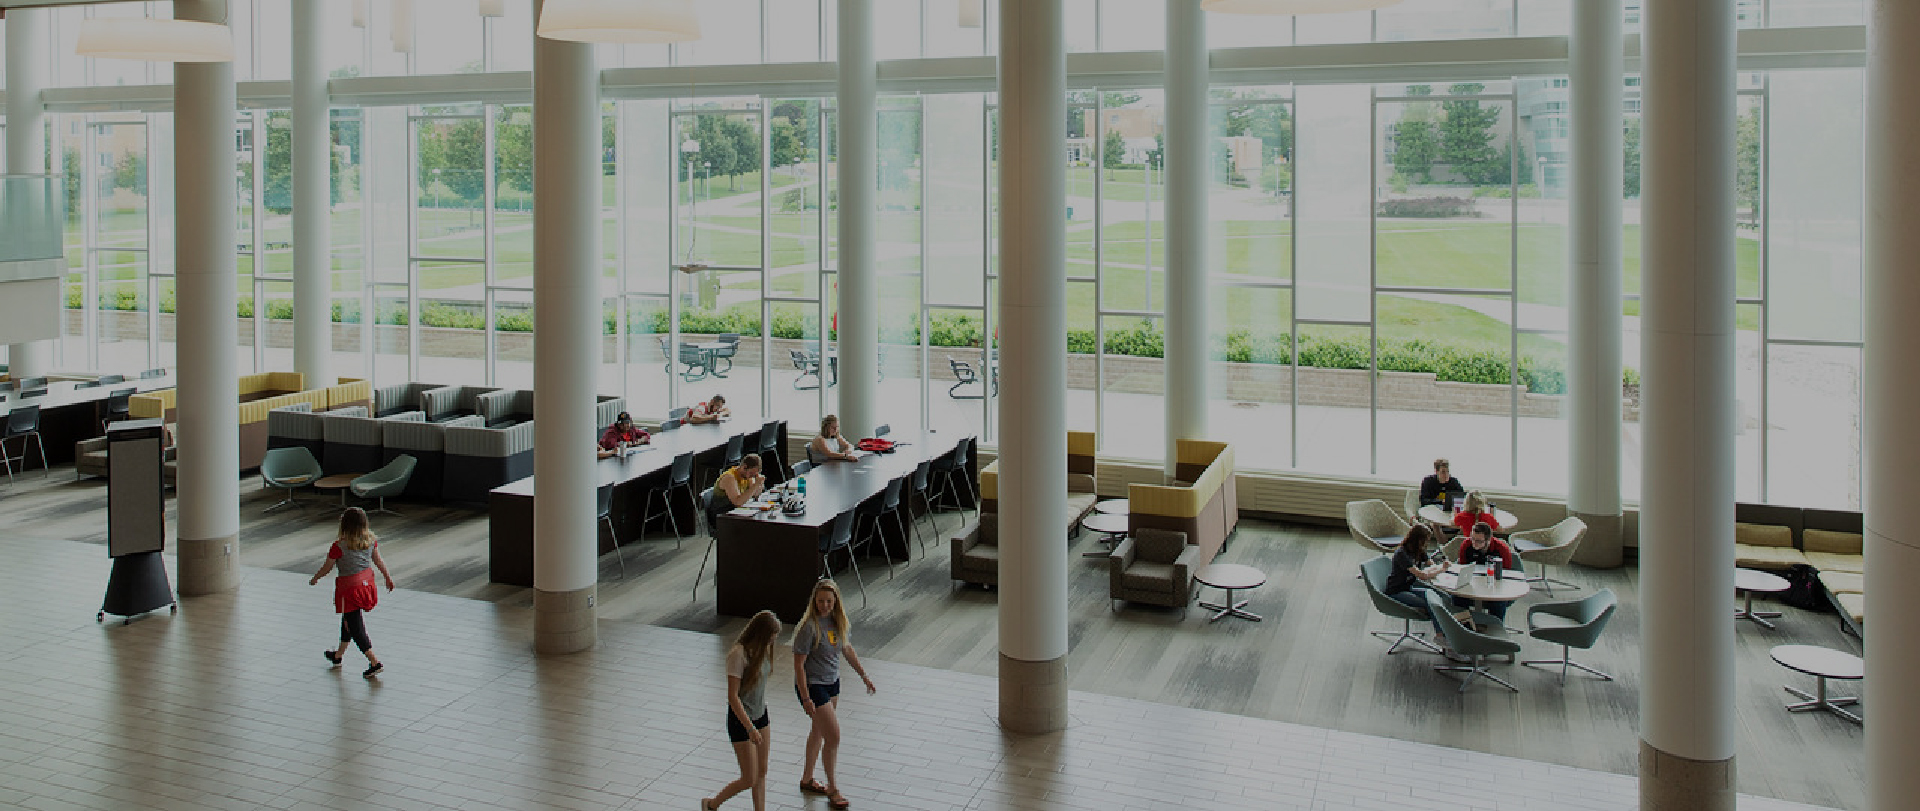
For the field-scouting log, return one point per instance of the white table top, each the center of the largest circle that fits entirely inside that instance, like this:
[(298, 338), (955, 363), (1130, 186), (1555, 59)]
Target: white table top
[(1103, 522), (1432, 512), (1755, 580), (1510, 586), (1113, 506), (1230, 576), (1814, 660)]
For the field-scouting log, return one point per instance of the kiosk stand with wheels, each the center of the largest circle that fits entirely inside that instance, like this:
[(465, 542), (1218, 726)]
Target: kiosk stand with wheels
[(136, 521)]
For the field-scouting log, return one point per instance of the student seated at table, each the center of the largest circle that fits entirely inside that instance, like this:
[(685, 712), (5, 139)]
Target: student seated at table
[(622, 434), (709, 411), (738, 485), (1442, 481), (829, 444), (1475, 512), (1414, 569), (1481, 547)]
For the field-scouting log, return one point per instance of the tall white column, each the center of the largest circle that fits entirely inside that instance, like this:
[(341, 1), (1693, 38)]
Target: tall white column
[(209, 396), (1187, 158), (312, 197), (1892, 436), (859, 311), (27, 69), (1593, 290), (566, 341), (1687, 416), (1033, 366)]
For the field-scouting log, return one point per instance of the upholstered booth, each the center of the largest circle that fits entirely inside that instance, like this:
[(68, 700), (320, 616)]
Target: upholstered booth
[(424, 441), (350, 444), (448, 402), (976, 551), (1080, 495), (260, 395), (296, 426), (479, 459), (505, 408), (90, 457), (400, 397), (1202, 504)]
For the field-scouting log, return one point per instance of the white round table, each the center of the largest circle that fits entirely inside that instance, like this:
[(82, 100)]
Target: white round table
[(1111, 528), (1432, 512), (1460, 582), (1230, 577), (1113, 506), (1748, 581), (1821, 664)]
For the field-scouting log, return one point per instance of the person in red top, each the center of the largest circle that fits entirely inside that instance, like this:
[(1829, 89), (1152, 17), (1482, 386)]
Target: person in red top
[(357, 553), (621, 433), (1481, 547), (1475, 512), (709, 411)]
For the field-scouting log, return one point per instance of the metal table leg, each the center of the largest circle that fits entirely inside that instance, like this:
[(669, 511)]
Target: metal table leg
[(1747, 613), (1230, 608), (1821, 701)]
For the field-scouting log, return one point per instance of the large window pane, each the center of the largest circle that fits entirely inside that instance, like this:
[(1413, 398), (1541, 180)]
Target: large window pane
[(1443, 387), (453, 318), (450, 188), (513, 197), (1814, 426), (1249, 199), (1816, 171), (646, 174), (646, 334), (1332, 433), (794, 155), (1444, 19), (512, 339), (1134, 407), (719, 188), (1444, 209), (793, 31), (956, 176), (1333, 189), (1252, 373), (730, 34)]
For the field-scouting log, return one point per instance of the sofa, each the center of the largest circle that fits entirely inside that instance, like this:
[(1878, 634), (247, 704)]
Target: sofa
[(260, 395), (90, 457), (1200, 503), (505, 408), (479, 459), (448, 402), (1080, 482), (976, 551), (1772, 537), (390, 400)]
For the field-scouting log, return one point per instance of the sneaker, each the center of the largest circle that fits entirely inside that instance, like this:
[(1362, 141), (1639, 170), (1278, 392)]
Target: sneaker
[(331, 657), (373, 670)]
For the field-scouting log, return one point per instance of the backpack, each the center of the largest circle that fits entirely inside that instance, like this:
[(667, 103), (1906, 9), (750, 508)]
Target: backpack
[(875, 445), (1804, 591)]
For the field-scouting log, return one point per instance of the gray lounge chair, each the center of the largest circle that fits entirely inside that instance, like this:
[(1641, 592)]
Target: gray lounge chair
[(289, 469), (1575, 624), (385, 482), (1474, 645), (1374, 572)]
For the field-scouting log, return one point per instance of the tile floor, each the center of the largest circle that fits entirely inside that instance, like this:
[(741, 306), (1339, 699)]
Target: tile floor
[(228, 704)]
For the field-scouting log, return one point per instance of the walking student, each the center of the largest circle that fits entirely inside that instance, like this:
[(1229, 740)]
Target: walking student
[(356, 552), (818, 643), (749, 666)]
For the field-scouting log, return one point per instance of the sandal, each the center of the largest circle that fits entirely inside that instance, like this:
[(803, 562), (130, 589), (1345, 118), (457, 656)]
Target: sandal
[(836, 800), (331, 657), (812, 786)]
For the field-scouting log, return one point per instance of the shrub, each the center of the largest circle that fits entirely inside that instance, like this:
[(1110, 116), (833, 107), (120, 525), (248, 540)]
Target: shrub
[(1428, 207), (1143, 341)]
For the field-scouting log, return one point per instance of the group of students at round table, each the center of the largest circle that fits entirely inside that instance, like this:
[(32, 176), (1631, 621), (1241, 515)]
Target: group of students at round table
[(1419, 559)]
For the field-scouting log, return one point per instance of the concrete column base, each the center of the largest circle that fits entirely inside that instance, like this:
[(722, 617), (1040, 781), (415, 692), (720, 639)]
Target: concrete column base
[(1604, 546), (1673, 783), (564, 621), (207, 566), (1033, 695)]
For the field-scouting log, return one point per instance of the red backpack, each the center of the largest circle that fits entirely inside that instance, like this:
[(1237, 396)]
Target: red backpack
[(875, 445)]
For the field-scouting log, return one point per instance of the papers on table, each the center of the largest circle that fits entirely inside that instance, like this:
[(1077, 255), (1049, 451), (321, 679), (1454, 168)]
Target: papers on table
[(744, 512)]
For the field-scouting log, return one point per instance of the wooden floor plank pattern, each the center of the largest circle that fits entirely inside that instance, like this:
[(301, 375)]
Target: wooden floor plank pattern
[(1300, 710)]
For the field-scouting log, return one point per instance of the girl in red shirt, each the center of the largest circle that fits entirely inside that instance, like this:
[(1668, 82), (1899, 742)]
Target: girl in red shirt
[(1474, 512), (357, 553)]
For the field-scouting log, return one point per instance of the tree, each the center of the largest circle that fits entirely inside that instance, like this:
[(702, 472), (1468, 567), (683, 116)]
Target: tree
[(131, 173), (70, 167), (1746, 152), (1466, 139), (1113, 153), (1157, 157), (513, 148), (458, 149), (278, 191), (1631, 159)]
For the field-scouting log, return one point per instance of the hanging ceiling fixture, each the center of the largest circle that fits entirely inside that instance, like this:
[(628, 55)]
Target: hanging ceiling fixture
[(403, 26), (1293, 6), (360, 13), (154, 40), (970, 13), (493, 8), (635, 22)]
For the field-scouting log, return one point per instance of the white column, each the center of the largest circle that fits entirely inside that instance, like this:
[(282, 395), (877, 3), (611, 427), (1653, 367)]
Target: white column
[(1187, 158), (1593, 290), (859, 283), (27, 68), (566, 330), (1033, 366), (312, 197), (209, 398), (1687, 416), (1892, 436)]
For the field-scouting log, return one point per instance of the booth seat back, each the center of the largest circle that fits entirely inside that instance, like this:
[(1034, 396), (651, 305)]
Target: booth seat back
[(406, 416), (352, 444), (253, 421), (280, 382), (426, 443), (608, 409), (1204, 508), (480, 459), (295, 426), (452, 400), (1080, 490), (1082, 465), (350, 392), (505, 405), (153, 405), (401, 397)]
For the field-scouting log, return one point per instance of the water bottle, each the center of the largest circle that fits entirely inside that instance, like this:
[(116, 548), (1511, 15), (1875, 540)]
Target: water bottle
[(802, 484)]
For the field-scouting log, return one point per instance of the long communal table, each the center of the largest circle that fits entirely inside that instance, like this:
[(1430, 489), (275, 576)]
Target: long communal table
[(771, 560), (510, 506), (69, 414)]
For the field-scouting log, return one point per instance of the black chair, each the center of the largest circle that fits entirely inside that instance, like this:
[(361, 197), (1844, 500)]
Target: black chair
[(769, 450), (922, 484), (150, 374), (108, 380), (90, 384), (713, 535), (841, 537), (604, 494), (736, 448), (23, 422), (868, 515), (732, 340), (668, 425), (883, 430), (680, 476), (119, 407), (952, 470)]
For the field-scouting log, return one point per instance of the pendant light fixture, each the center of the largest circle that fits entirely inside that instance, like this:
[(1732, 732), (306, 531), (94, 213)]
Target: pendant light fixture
[(634, 22), (360, 13), (493, 8), (970, 13), (1293, 6), (403, 26), (148, 39)]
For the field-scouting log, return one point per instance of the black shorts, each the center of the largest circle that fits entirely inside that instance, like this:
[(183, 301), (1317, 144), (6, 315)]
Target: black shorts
[(819, 693), (738, 733)]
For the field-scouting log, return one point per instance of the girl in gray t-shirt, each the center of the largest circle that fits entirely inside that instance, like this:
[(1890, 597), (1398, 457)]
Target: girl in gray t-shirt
[(818, 643), (749, 667)]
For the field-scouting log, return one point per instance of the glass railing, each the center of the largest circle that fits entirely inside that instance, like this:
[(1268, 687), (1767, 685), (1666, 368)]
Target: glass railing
[(32, 209)]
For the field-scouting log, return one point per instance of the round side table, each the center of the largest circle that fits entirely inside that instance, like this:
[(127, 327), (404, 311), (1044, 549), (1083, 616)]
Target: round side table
[(1821, 664), (1111, 528), (1231, 577), (1748, 581)]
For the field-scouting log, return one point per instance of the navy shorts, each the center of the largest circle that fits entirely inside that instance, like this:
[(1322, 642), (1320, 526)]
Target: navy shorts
[(738, 733), (819, 693)]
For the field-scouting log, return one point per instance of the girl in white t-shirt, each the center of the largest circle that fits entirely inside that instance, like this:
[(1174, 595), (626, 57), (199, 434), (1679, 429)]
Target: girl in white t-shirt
[(749, 666)]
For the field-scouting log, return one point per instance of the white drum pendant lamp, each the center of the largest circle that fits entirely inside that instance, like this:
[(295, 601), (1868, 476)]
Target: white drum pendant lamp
[(360, 13), (403, 26), (1293, 6), (148, 39), (493, 8), (970, 13), (633, 22)]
